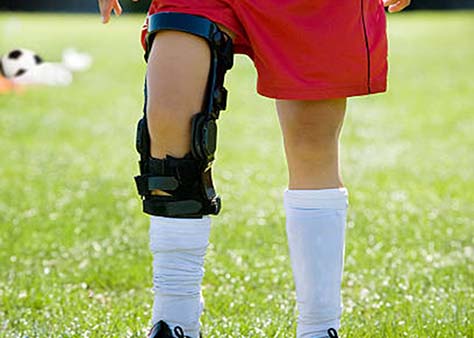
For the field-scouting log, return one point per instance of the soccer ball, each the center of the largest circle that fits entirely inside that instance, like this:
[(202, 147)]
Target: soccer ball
[(19, 62)]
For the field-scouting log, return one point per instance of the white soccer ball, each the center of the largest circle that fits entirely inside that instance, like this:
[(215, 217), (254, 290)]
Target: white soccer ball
[(19, 62), (46, 73)]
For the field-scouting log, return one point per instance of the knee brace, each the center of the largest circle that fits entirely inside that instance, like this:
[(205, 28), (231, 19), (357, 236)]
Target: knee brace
[(183, 188)]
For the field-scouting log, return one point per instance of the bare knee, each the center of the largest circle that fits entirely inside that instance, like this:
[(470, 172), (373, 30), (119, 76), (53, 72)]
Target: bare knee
[(307, 139), (311, 132), (310, 126), (177, 75), (169, 125)]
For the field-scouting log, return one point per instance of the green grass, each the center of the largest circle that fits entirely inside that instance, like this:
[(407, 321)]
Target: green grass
[(74, 259)]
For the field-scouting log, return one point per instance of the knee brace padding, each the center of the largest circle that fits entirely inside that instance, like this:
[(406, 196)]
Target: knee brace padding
[(204, 137), (183, 187)]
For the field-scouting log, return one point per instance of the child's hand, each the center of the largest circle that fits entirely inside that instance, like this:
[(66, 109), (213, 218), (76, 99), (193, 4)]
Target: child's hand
[(107, 6), (396, 5)]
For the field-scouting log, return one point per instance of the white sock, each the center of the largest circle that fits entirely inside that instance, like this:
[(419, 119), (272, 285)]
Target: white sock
[(178, 246), (315, 223)]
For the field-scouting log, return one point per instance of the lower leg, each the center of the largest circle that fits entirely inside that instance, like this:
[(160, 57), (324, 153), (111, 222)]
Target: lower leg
[(315, 229), (178, 247), (315, 205), (178, 68), (177, 77)]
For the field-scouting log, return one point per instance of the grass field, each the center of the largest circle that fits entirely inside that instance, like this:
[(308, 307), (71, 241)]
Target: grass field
[(74, 259)]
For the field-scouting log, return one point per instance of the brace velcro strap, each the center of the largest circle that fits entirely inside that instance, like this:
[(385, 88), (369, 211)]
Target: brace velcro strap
[(146, 183), (193, 24), (186, 208), (187, 23)]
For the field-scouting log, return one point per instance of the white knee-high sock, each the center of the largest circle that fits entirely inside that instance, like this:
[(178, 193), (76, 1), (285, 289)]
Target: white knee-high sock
[(178, 246), (315, 223)]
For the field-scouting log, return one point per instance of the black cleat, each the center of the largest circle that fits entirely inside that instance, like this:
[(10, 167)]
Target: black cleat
[(162, 330), (332, 333)]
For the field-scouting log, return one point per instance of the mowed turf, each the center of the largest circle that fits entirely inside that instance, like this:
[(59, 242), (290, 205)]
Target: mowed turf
[(74, 258)]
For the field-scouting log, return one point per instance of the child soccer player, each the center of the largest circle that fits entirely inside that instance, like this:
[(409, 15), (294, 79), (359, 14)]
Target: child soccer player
[(310, 55)]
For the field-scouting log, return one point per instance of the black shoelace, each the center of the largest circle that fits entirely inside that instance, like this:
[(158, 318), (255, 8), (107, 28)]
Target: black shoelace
[(332, 333), (178, 331)]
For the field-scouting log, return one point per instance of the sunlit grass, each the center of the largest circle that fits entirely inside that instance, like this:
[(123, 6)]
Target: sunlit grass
[(74, 259)]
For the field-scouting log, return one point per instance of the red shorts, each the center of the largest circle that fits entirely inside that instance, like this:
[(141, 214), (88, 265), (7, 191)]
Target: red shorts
[(302, 49)]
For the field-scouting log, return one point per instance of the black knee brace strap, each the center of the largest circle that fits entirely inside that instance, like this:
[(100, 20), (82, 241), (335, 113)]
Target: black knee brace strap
[(183, 187)]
